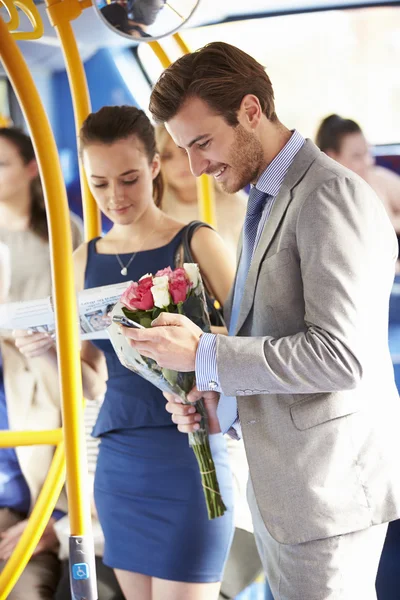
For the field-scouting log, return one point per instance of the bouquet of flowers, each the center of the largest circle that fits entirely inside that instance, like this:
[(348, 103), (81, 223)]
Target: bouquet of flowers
[(179, 291)]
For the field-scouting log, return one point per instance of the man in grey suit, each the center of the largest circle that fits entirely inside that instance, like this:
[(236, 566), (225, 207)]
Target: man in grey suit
[(305, 374)]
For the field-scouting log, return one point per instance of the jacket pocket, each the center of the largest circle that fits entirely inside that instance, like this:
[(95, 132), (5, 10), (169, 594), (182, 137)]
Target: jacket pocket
[(321, 408), (276, 261)]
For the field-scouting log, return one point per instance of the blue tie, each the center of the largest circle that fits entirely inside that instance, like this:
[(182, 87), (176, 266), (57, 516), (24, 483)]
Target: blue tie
[(227, 408)]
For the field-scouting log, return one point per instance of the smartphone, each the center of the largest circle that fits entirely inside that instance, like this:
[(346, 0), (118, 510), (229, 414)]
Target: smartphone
[(126, 322)]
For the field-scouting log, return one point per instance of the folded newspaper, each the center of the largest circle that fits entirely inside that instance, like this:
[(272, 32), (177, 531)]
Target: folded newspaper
[(94, 307)]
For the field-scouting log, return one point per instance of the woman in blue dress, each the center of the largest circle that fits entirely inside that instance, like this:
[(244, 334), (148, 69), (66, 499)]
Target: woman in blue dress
[(148, 492)]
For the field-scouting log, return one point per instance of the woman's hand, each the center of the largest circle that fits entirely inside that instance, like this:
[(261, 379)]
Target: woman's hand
[(33, 344), (186, 416)]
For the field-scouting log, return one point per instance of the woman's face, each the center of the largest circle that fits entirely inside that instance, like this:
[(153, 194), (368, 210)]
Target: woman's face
[(354, 154), (121, 178), (15, 176), (176, 167)]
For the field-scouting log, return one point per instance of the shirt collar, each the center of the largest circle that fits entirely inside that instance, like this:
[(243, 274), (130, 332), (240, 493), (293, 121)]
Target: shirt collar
[(272, 178)]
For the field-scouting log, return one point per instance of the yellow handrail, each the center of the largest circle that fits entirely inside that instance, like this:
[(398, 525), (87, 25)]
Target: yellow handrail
[(37, 522), (13, 23), (62, 269), (181, 43), (31, 11), (61, 13), (30, 438), (205, 185), (161, 54)]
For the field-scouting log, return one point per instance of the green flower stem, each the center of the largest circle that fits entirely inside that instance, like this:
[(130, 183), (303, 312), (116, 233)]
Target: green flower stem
[(201, 447)]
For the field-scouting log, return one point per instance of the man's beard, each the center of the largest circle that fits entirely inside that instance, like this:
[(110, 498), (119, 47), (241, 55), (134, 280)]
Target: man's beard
[(245, 161)]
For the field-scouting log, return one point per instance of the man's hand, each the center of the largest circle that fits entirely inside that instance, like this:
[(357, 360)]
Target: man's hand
[(10, 538), (171, 341), (186, 416)]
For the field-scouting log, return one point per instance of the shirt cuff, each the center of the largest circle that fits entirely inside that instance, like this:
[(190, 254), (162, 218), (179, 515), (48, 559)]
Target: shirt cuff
[(206, 364), (57, 514)]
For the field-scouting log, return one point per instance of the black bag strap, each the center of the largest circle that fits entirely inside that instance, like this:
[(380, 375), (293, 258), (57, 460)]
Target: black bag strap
[(187, 236)]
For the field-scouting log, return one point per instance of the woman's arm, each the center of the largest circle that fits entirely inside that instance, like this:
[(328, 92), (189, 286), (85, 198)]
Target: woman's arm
[(216, 265)]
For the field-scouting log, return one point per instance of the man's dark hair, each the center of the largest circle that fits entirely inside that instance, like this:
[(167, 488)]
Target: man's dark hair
[(220, 75), (332, 130)]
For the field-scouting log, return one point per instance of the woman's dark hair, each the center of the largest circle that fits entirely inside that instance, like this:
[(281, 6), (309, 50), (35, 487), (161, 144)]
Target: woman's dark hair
[(113, 123), (332, 130), (23, 143)]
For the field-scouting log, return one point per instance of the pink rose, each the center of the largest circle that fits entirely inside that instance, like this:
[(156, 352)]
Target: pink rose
[(164, 272), (179, 286), (138, 296)]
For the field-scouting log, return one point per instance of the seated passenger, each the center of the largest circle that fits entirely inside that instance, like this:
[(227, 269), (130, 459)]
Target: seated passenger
[(28, 399), (180, 195), (344, 141)]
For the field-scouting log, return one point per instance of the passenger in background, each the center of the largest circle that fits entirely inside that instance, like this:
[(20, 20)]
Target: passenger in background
[(29, 393), (148, 491), (23, 224), (28, 400), (344, 141), (180, 194)]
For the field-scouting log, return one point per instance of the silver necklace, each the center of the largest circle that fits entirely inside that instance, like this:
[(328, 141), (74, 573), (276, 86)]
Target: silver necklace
[(124, 268)]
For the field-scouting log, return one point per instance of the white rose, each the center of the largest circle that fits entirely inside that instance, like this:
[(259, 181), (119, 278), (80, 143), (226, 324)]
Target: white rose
[(160, 292), (192, 271)]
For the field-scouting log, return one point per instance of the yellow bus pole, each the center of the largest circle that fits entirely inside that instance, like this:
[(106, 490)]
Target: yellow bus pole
[(61, 13), (64, 295), (205, 186)]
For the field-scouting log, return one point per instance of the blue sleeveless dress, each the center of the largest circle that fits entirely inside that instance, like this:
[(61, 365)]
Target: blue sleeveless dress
[(148, 491)]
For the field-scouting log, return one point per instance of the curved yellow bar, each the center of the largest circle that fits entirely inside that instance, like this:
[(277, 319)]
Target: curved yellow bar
[(205, 187), (60, 14), (160, 53), (36, 525), (181, 43), (13, 23), (62, 271), (31, 11), (10, 439)]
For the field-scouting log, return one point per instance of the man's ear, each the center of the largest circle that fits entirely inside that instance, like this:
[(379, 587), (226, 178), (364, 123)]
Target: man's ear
[(250, 112)]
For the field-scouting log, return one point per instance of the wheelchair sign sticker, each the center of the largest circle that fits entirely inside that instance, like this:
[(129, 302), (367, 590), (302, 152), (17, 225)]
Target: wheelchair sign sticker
[(80, 571)]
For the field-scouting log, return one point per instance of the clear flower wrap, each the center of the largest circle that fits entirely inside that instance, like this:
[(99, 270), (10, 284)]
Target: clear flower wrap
[(180, 291)]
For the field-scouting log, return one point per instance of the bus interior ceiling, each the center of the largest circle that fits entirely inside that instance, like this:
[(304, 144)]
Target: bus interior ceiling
[(120, 71)]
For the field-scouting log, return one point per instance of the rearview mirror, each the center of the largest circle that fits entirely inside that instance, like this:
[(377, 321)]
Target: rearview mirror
[(145, 20)]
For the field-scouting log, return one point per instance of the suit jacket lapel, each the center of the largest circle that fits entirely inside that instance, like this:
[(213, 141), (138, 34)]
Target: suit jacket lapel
[(300, 165)]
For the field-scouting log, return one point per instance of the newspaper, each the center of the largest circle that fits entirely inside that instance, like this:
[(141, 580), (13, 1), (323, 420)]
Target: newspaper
[(94, 307)]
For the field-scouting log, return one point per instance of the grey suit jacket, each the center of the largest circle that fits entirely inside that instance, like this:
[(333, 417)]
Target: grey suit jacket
[(310, 363)]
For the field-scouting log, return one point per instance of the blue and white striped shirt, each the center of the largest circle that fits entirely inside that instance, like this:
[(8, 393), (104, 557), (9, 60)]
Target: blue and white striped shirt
[(270, 183)]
